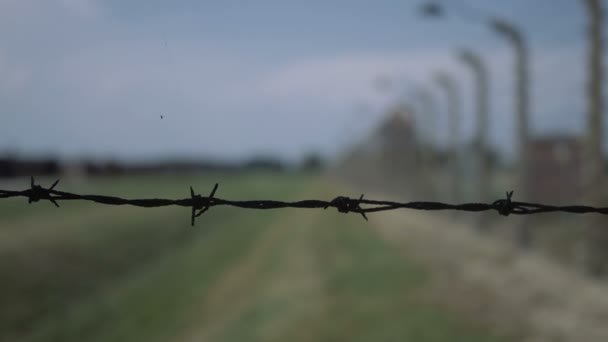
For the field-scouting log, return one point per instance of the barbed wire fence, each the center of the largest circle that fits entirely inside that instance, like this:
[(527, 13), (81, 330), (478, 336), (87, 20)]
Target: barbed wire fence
[(201, 204)]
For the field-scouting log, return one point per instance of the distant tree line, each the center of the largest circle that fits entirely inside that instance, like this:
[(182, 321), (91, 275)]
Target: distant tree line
[(12, 166)]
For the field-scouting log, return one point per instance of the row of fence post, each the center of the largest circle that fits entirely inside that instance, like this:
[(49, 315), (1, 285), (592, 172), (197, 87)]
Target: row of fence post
[(593, 161)]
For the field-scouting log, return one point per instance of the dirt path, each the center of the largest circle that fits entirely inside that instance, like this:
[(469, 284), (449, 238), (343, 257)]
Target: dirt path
[(280, 267), (323, 276)]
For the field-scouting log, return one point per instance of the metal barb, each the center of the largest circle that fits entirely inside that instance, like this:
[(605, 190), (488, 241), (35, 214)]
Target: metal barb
[(202, 204), (505, 206), (37, 192), (346, 205), (208, 200)]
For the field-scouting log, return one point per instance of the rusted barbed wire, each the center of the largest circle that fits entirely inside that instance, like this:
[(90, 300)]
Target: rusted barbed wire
[(201, 204)]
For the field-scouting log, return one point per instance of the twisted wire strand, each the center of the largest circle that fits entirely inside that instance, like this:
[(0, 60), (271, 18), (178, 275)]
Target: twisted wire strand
[(201, 204)]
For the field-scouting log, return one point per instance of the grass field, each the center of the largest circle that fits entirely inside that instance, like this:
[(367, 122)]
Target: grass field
[(87, 272)]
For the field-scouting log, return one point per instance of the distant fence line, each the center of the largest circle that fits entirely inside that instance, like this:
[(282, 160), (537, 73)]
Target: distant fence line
[(200, 204)]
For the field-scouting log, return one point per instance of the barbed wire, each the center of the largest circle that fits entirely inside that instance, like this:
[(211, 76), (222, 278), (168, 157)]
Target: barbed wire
[(201, 204)]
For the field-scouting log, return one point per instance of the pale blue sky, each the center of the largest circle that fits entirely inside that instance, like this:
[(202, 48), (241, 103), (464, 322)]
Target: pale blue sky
[(92, 77)]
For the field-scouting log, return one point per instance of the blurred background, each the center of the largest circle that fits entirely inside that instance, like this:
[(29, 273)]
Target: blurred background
[(454, 101)]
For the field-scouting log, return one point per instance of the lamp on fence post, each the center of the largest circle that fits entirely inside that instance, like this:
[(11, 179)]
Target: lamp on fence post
[(517, 39), (475, 63), (450, 87), (593, 179)]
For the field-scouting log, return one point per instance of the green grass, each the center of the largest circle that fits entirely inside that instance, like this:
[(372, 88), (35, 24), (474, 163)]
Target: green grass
[(151, 304), (60, 260), (92, 273)]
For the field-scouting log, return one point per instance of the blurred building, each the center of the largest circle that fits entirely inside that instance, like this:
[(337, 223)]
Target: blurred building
[(389, 159), (555, 169), (395, 143)]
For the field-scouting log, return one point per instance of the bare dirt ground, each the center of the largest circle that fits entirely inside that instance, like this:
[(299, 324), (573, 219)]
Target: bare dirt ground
[(525, 295)]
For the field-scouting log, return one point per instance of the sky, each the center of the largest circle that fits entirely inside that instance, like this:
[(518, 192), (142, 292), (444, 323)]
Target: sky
[(91, 78)]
